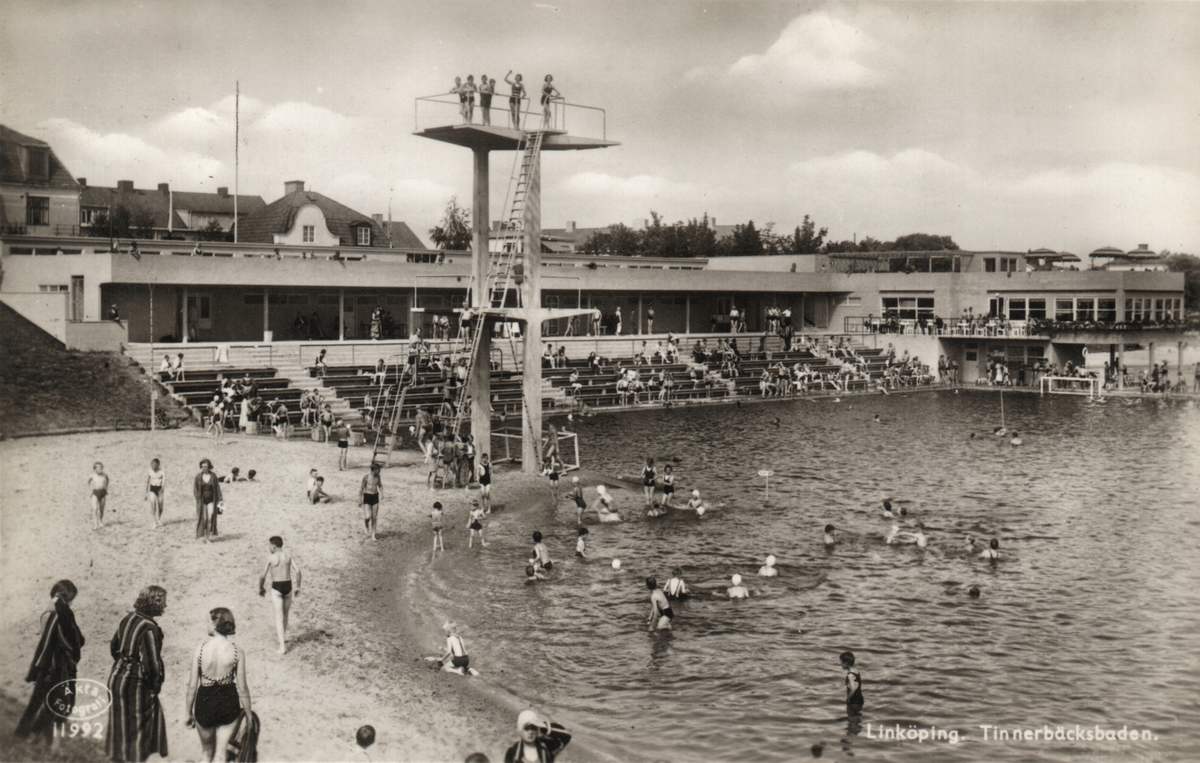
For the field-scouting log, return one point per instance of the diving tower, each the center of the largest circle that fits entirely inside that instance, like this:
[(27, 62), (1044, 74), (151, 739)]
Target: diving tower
[(506, 284)]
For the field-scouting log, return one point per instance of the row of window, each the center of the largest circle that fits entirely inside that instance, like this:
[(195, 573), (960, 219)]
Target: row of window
[(909, 308), (1007, 264), (1154, 309), (1086, 309)]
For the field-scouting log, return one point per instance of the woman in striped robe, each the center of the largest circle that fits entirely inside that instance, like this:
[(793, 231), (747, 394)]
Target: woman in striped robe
[(54, 662), (136, 727)]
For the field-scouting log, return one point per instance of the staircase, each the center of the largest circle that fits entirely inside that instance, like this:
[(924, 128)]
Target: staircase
[(288, 366)]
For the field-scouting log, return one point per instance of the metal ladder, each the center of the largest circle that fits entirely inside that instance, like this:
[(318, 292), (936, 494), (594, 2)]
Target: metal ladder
[(388, 435)]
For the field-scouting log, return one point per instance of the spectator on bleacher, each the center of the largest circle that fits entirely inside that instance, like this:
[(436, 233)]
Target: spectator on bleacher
[(698, 355), (164, 370), (623, 390), (766, 385), (573, 383), (595, 362), (672, 349), (666, 386), (548, 357), (560, 359), (320, 365), (379, 373), (177, 370)]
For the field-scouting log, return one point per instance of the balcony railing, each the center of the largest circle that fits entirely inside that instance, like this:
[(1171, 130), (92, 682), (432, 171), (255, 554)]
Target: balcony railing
[(993, 327), (444, 110)]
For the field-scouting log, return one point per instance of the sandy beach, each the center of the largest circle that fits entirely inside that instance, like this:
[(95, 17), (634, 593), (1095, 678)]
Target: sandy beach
[(356, 645)]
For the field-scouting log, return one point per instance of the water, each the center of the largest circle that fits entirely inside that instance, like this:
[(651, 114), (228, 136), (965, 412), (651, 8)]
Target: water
[(1092, 616)]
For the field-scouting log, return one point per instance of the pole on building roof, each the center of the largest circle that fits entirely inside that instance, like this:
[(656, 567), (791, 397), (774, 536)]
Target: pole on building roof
[(237, 97)]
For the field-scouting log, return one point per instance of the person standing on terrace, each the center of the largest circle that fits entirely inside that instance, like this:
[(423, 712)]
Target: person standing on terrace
[(516, 93), (461, 92)]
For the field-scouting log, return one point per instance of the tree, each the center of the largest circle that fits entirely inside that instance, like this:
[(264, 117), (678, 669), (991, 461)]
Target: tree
[(1189, 265), (117, 225), (142, 223), (745, 242), (807, 239), (923, 242), (454, 232), (213, 232), (619, 240)]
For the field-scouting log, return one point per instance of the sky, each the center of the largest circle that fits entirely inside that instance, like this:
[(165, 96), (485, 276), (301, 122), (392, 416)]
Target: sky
[(1006, 125)]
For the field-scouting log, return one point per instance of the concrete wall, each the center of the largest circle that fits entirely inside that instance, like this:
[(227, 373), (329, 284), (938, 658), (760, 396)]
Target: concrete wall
[(26, 273), (96, 336), (47, 311), (64, 208), (779, 263)]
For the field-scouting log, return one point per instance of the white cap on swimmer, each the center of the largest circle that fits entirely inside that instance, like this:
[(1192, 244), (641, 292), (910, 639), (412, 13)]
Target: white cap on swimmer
[(770, 560), (528, 718), (616, 564), (601, 489), (695, 493), (575, 479), (736, 579)]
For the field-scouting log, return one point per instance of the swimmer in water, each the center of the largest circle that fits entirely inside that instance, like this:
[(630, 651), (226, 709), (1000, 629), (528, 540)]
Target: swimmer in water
[(581, 544), (999, 431), (676, 589), (887, 509), (532, 574), (877, 419), (992, 552), (919, 536), (892, 534), (973, 592), (661, 614), (829, 536), (737, 590), (580, 503), (1015, 441), (603, 506), (695, 504), (969, 545), (540, 553), (854, 697), (768, 570)]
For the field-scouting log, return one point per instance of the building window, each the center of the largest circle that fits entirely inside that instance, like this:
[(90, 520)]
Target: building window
[(909, 308), (85, 217), (1064, 309), (989, 264), (364, 235), (53, 288), (252, 299), (1106, 310), (853, 301), (310, 234), (1037, 309), (1016, 309), (37, 210)]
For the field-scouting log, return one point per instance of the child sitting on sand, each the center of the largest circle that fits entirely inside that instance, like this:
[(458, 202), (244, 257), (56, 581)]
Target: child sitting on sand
[(455, 660), (318, 493)]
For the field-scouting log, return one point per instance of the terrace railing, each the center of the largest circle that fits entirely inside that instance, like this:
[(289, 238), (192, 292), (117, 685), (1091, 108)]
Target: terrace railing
[(443, 110)]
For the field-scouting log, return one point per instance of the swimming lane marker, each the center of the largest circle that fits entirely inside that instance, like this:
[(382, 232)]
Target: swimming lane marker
[(766, 475)]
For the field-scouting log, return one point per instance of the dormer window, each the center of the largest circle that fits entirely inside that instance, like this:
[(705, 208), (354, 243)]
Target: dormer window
[(39, 164), (364, 235), (309, 234)]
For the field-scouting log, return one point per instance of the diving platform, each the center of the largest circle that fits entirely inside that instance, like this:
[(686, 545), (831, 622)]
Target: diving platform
[(494, 138)]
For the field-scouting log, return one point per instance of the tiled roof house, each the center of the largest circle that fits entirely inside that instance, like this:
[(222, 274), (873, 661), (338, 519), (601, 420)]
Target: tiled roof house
[(303, 217), (38, 195)]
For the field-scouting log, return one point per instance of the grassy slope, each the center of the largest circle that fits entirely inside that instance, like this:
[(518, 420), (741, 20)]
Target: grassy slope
[(44, 387)]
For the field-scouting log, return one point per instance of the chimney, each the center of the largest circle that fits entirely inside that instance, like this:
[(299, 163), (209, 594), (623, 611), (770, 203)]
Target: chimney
[(292, 186), (570, 226), (223, 192), (125, 186), (82, 182), (164, 189), (378, 217), (640, 223)]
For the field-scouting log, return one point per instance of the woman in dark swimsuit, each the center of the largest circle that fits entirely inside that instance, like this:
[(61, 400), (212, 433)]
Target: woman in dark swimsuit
[(214, 703), (648, 479), (549, 93), (514, 99)]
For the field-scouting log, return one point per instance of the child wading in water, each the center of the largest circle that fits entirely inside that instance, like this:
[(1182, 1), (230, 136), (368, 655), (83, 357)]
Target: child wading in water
[(854, 697), (553, 470), (155, 481), (581, 544), (98, 482), (577, 496), (455, 660), (368, 499), (668, 487), (475, 525), (435, 517)]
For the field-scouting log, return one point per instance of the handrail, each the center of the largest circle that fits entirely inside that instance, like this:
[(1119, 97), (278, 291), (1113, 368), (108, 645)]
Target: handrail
[(560, 106)]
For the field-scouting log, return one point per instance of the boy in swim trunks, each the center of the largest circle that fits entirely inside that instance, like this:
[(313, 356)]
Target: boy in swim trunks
[(368, 498), (475, 525), (282, 570), (581, 544), (343, 430), (98, 482), (435, 517), (676, 589), (661, 614), (154, 491)]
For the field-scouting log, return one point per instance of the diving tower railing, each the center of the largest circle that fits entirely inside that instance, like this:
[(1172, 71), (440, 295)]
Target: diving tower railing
[(442, 110)]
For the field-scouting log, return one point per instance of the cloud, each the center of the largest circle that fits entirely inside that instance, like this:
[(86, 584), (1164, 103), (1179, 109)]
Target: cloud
[(106, 158), (1063, 208), (815, 51), (637, 187)]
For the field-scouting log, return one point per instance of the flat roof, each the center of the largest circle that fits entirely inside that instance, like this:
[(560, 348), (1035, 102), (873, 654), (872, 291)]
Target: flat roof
[(497, 138)]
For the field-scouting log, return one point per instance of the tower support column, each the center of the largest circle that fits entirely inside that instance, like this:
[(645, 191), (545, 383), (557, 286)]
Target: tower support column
[(480, 381), (531, 293)]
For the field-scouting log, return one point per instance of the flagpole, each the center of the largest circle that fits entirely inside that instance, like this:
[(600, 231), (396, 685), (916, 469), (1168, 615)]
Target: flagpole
[(237, 97)]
